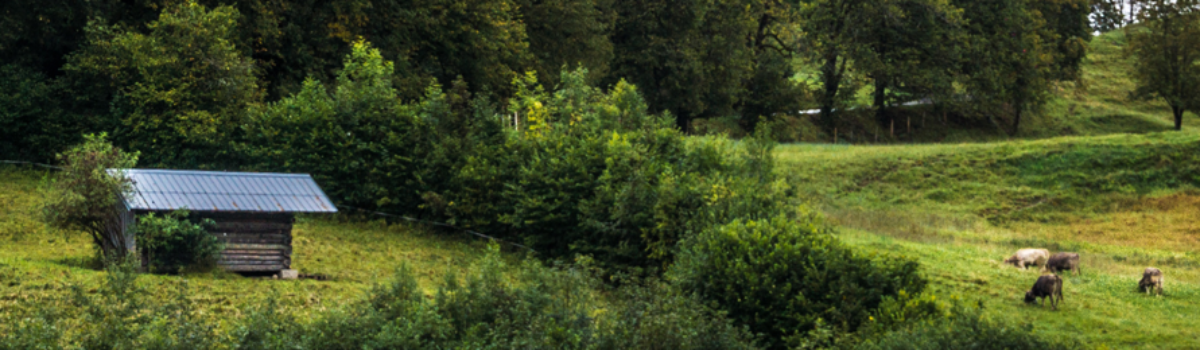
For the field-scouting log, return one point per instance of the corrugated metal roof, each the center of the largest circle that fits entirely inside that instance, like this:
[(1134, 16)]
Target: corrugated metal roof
[(225, 192)]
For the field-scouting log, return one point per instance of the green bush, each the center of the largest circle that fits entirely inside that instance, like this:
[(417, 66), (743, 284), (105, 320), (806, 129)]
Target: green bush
[(171, 243), (963, 328), (175, 325), (365, 147), (532, 307), (784, 277), (570, 171), (86, 193), (594, 173), (492, 305), (655, 315), (266, 327), (121, 314), (113, 315), (38, 331)]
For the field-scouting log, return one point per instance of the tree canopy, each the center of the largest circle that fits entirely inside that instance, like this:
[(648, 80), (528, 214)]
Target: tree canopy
[(178, 90), (175, 78), (1167, 48)]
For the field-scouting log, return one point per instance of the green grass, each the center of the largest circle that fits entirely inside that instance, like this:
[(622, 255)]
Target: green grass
[(38, 265), (1124, 202), (1101, 307)]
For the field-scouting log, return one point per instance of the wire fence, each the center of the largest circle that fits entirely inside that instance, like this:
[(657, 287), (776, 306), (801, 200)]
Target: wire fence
[(343, 206), (21, 162), (435, 223)]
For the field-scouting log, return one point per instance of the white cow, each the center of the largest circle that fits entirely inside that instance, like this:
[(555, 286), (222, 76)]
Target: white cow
[(1029, 256)]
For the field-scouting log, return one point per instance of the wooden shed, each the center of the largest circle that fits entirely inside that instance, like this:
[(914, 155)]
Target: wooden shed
[(253, 212)]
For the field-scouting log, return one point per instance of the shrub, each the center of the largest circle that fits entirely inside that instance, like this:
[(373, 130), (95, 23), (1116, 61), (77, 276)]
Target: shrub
[(266, 327), (963, 328), (113, 315), (365, 147), (37, 331), (590, 173), (171, 243), (655, 315), (175, 325), (531, 307), (571, 171), (783, 277), (87, 194)]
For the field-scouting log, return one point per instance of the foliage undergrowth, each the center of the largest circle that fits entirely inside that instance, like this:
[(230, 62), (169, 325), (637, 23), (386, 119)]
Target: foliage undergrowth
[(962, 328), (171, 243), (785, 278), (491, 304), (573, 170)]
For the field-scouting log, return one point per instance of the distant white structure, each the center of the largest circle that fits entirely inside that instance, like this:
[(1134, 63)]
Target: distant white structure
[(920, 102)]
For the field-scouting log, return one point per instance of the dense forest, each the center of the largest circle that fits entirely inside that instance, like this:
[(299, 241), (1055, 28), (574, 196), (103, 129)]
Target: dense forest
[(562, 131), (141, 70)]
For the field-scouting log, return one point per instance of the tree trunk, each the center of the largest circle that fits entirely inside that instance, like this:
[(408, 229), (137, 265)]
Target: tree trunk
[(683, 123), (880, 102), (1178, 112), (1016, 123), (831, 80)]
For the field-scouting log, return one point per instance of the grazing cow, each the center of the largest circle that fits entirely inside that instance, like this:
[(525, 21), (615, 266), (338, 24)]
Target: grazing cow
[(1046, 286), (1063, 261), (1152, 280), (1029, 256)]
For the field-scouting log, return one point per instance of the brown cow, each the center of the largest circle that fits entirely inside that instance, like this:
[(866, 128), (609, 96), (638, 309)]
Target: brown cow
[(1064, 261), (1152, 280), (1046, 286)]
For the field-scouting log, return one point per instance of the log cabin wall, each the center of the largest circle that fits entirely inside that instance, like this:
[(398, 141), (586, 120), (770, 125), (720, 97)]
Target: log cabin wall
[(253, 242)]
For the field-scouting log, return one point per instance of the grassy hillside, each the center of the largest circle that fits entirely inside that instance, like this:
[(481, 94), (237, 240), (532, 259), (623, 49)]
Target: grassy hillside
[(1100, 103), (38, 265), (1124, 202)]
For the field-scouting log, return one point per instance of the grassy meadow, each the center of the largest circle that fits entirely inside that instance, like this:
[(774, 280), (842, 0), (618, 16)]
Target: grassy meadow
[(1123, 202), (39, 266)]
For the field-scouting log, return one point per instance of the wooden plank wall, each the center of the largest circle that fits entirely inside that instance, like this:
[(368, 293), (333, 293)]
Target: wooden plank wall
[(254, 243)]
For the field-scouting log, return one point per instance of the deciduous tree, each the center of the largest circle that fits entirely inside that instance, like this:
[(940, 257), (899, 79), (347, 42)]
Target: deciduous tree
[(86, 194), (830, 27), (1067, 31), (911, 49), (568, 33), (1008, 62), (1167, 52), (178, 90), (689, 57), (776, 40), (1108, 15)]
